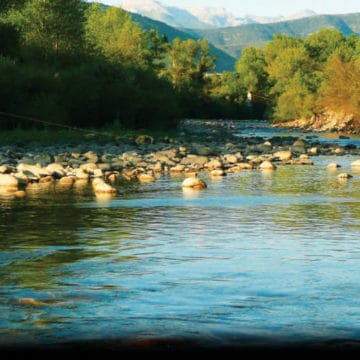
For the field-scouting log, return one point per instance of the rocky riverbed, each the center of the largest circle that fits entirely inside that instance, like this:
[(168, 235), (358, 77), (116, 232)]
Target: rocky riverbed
[(200, 146)]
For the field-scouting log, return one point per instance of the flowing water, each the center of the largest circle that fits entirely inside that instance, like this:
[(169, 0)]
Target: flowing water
[(257, 255)]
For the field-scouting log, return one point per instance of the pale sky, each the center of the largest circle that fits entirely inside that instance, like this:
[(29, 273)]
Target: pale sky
[(267, 7)]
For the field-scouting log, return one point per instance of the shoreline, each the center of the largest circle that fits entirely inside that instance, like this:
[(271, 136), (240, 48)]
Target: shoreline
[(199, 146)]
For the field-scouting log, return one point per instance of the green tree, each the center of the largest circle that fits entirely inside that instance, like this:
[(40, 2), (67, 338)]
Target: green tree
[(324, 43), (6, 5), (340, 91), (189, 60), (112, 34), (53, 27)]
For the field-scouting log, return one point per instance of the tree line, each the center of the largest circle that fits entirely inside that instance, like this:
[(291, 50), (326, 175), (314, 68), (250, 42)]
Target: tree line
[(86, 65)]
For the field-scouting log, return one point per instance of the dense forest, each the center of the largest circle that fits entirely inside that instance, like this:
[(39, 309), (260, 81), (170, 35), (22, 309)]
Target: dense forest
[(85, 65)]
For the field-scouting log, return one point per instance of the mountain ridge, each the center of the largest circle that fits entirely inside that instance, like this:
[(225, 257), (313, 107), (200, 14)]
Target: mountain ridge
[(200, 17), (233, 39)]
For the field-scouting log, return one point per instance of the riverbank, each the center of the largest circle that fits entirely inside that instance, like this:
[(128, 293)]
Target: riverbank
[(327, 121), (198, 146)]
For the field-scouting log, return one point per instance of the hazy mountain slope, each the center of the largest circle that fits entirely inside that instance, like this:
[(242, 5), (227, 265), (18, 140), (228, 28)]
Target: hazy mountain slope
[(233, 39), (224, 60), (206, 17)]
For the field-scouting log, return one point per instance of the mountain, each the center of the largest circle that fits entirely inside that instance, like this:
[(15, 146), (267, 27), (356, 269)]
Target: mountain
[(233, 39), (199, 17), (224, 61)]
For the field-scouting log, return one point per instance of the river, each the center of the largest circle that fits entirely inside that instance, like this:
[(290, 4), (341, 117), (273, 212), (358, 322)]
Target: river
[(257, 257)]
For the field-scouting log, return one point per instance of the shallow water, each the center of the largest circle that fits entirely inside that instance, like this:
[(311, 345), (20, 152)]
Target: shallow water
[(257, 255)]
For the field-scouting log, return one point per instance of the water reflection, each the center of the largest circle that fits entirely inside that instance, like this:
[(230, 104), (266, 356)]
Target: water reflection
[(252, 255)]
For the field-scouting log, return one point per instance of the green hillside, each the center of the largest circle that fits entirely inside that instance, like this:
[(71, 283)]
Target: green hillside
[(224, 60), (233, 39)]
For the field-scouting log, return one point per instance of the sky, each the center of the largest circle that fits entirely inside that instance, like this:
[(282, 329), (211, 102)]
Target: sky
[(267, 7)]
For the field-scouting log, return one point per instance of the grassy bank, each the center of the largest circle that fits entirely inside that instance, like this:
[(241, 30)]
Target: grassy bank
[(47, 137)]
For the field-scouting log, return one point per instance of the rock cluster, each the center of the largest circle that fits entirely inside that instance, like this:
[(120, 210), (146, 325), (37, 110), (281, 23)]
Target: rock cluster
[(204, 149)]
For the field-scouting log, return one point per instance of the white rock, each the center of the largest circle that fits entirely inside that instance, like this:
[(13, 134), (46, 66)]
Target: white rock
[(194, 183), (332, 166), (356, 164), (10, 181), (283, 155), (344, 176), (267, 165), (100, 186)]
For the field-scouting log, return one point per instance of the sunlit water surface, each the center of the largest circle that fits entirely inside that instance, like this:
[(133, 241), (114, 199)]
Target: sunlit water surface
[(257, 255)]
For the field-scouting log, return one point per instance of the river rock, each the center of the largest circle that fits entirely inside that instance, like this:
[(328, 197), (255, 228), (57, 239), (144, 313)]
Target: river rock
[(32, 170), (339, 151), (100, 186), (20, 194), (267, 165), (98, 173), (356, 164), (43, 159), (163, 159), (205, 151), (299, 142), (283, 155), (62, 158), (344, 176), (230, 158), (177, 169), (22, 179), (46, 179), (145, 178), (170, 154), (8, 181), (313, 151), (214, 164), (130, 174), (142, 140), (217, 173), (194, 160), (5, 169), (158, 167), (56, 170), (182, 150), (254, 159), (194, 183), (81, 174), (91, 156), (66, 181), (88, 167), (333, 166)]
